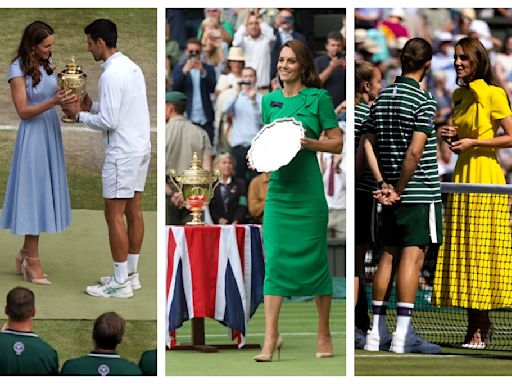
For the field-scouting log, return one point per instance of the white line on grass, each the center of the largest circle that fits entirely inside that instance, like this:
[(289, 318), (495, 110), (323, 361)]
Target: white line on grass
[(262, 334), (400, 355)]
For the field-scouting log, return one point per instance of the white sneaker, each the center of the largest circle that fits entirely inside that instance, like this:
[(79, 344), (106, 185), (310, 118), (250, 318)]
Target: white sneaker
[(133, 278), (377, 341), (413, 344), (112, 289), (359, 338)]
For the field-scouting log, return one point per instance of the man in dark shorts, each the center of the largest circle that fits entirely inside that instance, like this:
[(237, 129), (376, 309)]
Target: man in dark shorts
[(401, 127), (107, 334), (22, 351)]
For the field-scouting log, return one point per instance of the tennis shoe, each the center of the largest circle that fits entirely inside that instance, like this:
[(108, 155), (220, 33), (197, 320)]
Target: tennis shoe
[(112, 289), (377, 341), (359, 338), (133, 278), (412, 343)]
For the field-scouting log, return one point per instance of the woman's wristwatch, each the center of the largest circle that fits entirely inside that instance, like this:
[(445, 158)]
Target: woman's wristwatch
[(380, 183)]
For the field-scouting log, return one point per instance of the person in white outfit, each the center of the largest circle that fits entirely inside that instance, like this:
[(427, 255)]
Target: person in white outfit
[(122, 115), (257, 40)]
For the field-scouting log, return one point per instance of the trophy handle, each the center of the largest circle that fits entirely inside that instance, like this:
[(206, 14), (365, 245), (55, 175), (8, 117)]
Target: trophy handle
[(172, 175)]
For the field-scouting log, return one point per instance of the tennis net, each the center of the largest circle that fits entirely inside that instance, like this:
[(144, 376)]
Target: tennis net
[(472, 269)]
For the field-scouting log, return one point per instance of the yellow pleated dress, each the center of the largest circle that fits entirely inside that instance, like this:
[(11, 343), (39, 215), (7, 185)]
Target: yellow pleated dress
[(474, 265)]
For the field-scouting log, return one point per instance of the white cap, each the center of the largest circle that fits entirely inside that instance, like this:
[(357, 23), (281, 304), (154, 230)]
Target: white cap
[(397, 12), (444, 36)]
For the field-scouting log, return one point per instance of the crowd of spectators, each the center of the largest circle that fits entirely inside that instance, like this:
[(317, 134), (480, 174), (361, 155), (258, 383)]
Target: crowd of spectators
[(381, 33), (220, 63)]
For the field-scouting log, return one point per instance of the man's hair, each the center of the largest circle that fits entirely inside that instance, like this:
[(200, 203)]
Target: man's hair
[(180, 106), (20, 304), (415, 54), (194, 40), (108, 330), (334, 36), (104, 29), (250, 69), (250, 14)]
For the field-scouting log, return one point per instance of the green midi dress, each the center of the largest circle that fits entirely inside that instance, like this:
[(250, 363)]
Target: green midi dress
[(296, 213)]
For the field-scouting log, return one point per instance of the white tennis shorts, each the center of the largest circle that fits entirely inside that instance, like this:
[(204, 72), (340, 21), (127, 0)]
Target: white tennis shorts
[(122, 177)]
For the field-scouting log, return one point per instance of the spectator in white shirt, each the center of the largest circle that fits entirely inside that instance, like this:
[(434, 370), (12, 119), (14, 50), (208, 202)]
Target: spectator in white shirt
[(122, 115), (256, 40)]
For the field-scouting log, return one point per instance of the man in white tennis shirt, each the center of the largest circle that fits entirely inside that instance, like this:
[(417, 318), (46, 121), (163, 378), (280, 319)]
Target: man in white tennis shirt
[(123, 117)]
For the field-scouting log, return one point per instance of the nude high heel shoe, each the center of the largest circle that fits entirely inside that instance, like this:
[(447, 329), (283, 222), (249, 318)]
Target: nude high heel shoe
[(20, 256), (323, 355), (27, 274), (263, 358)]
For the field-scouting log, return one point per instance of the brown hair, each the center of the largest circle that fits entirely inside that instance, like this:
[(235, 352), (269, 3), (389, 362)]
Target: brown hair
[(363, 73), (479, 59), (304, 57), (20, 304), (33, 35), (180, 106), (194, 40), (415, 53), (108, 330)]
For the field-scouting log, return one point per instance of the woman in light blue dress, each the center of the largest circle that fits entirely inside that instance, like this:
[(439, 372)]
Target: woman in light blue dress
[(37, 195)]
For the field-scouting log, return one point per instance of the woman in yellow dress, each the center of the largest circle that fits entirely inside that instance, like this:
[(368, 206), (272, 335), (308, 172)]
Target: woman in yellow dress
[(473, 267)]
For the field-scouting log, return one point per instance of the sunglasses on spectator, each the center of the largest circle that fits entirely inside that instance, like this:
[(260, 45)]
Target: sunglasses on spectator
[(461, 57)]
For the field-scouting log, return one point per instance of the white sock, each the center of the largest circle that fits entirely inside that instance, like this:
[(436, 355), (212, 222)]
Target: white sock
[(121, 271), (133, 262), (379, 319), (403, 321)]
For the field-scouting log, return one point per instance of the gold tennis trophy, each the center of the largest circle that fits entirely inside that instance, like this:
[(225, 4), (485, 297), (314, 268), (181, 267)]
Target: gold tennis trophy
[(196, 185), (72, 79)]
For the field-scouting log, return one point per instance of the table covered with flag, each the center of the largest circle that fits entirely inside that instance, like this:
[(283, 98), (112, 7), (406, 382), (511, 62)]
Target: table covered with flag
[(213, 271)]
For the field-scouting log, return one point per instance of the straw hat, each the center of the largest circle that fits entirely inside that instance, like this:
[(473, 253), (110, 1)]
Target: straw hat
[(236, 54), (469, 13)]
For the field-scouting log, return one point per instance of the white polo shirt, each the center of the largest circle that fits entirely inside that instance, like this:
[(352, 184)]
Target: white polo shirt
[(257, 52), (122, 112)]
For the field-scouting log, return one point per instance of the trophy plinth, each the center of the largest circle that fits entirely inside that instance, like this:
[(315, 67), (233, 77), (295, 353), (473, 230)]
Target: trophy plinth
[(196, 185), (74, 80)]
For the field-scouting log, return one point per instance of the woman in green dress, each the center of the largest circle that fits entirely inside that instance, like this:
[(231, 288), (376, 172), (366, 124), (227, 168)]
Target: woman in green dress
[(296, 213)]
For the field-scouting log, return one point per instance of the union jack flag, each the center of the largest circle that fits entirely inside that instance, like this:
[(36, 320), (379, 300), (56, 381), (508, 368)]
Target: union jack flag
[(215, 272)]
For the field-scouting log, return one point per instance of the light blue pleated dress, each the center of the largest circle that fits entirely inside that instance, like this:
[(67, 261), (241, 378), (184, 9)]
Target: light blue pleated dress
[(37, 195)]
